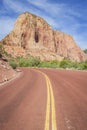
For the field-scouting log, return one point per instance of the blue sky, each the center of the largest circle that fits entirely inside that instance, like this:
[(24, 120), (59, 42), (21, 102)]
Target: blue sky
[(69, 16)]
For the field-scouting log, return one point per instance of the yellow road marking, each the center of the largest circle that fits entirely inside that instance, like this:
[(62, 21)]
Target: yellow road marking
[(50, 107), (54, 126), (47, 120)]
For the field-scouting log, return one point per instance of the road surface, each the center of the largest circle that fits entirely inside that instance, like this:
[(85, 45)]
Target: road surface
[(44, 99)]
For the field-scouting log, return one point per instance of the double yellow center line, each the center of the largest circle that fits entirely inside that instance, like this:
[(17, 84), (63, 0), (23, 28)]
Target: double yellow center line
[(50, 110), (50, 119)]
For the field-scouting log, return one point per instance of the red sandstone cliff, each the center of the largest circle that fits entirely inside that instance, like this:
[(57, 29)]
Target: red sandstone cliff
[(36, 36)]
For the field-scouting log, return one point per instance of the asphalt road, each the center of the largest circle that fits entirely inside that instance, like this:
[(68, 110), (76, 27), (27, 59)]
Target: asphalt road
[(44, 99)]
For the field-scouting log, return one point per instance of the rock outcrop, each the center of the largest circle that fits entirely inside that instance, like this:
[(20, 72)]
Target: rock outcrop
[(36, 36), (6, 72)]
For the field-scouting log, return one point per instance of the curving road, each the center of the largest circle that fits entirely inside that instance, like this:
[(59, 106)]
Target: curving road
[(44, 99)]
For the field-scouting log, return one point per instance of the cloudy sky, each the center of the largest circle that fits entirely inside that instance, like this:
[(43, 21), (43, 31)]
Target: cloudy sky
[(69, 16)]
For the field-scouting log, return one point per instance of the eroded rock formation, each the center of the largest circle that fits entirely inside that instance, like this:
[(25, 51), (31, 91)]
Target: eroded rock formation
[(35, 35)]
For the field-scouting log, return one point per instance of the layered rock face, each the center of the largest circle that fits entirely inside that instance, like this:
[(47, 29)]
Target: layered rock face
[(6, 72), (35, 35)]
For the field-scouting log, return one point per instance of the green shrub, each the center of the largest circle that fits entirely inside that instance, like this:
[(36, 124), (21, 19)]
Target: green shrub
[(28, 62), (44, 64), (49, 64), (13, 64), (75, 65), (54, 64), (23, 62), (65, 64), (83, 65), (34, 61)]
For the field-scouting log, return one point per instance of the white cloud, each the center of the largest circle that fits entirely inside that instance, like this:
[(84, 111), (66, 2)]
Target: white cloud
[(15, 6), (55, 8), (52, 9)]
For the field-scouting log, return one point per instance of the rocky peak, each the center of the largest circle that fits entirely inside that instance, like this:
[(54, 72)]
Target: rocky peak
[(31, 32)]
